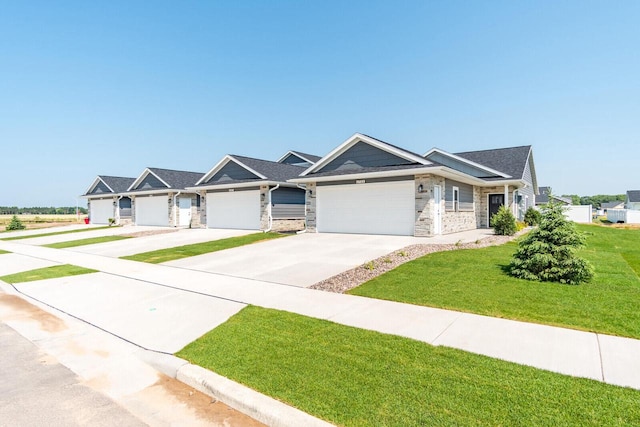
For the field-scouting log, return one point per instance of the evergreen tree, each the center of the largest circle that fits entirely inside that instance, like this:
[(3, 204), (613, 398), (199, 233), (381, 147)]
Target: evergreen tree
[(548, 253), (503, 222), (15, 224)]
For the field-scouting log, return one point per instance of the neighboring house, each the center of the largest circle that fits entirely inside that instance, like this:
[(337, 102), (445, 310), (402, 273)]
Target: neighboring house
[(633, 200), (247, 193), (159, 197), (369, 186), (616, 204), (543, 197), (104, 195), (297, 158)]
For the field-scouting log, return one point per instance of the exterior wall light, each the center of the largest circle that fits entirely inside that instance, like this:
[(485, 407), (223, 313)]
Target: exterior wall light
[(420, 188)]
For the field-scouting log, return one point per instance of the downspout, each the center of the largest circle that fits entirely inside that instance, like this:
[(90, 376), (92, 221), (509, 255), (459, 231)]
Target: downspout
[(118, 209), (305, 210), (270, 216), (175, 209)]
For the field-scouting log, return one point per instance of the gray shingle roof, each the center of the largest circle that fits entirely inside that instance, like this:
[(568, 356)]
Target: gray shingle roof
[(178, 180), (274, 171), (311, 157), (610, 205), (370, 169), (512, 160), (118, 184), (543, 197), (634, 196)]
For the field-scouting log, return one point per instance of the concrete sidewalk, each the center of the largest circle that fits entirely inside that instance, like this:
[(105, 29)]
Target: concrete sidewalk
[(605, 358)]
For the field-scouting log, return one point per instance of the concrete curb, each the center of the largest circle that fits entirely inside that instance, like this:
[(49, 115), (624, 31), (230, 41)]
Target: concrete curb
[(256, 405)]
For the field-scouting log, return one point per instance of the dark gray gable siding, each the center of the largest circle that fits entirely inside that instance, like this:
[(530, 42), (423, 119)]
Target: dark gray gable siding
[(287, 196), (177, 179), (231, 172), (150, 182), (527, 193), (100, 188), (465, 195), (459, 166), (363, 155)]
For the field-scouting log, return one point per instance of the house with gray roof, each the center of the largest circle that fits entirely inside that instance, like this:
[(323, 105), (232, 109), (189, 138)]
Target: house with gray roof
[(633, 200), (370, 186), (616, 204), (105, 199), (545, 194), (254, 194), (160, 197), (298, 159)]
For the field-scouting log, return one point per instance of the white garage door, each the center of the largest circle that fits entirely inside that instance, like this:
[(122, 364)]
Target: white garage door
[(101, 211), (237, 209), (375, 208), (152, 210)]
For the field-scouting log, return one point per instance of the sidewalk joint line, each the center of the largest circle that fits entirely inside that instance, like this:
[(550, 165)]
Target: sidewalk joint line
[(600, 355), (446, 329)]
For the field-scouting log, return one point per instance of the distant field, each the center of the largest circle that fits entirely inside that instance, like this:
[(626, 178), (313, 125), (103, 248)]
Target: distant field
[(42, 221)]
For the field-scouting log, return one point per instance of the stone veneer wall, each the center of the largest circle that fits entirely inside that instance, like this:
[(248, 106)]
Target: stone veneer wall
[(287, 225), (203, 209), (310, 208), (264, 207), (424, 225)]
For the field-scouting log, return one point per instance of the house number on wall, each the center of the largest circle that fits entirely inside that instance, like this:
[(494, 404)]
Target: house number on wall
[(360, 181)]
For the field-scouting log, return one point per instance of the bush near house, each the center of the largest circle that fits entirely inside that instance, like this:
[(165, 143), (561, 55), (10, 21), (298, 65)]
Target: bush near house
[(548, 253), (532, 217), (503, 221)]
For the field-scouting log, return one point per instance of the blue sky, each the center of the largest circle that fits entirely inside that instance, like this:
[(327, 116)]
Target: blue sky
[(89, 88)]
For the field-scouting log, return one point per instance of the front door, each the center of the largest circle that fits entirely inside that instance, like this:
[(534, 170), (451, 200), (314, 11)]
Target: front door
[(495, 201), (185, 211), (437, 210)]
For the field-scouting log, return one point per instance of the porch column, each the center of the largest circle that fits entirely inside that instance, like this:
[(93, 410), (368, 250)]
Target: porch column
[(506, 195)]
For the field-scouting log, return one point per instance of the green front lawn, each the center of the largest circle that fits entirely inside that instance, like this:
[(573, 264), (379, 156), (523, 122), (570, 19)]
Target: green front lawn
[(355, 377), (33, 236), (475, 281), (170, 254), (4, 252), (83, 242), (46, 273)]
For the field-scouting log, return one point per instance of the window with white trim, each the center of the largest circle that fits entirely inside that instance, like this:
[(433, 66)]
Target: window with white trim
[(456, 199)]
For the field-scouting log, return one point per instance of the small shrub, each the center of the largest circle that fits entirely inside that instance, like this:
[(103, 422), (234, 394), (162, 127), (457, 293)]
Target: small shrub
[(532, 217), (15, 224), (520, 225), (387, 260), (459, 243), (370, 266), (402, 253), (112, 221), (503, 221)]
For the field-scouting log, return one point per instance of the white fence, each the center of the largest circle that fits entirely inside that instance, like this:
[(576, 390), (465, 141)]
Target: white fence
[(623, 215), (578, 213)]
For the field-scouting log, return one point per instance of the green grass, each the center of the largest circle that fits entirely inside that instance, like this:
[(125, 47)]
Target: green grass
[(170, 254), (83, 242), (46, 273), (4, 252), (33, 236), (355, 377), (475, 281)]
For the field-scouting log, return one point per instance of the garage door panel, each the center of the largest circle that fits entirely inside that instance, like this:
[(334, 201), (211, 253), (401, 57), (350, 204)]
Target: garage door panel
[(101, 211), (152, 210), (374, 208), (237, 209)]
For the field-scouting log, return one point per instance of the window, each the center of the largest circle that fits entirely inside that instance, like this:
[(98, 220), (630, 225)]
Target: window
[(456, 199)]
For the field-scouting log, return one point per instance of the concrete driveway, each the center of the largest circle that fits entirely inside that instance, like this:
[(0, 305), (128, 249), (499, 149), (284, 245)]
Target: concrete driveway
[(299, 260), (141, 244)]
